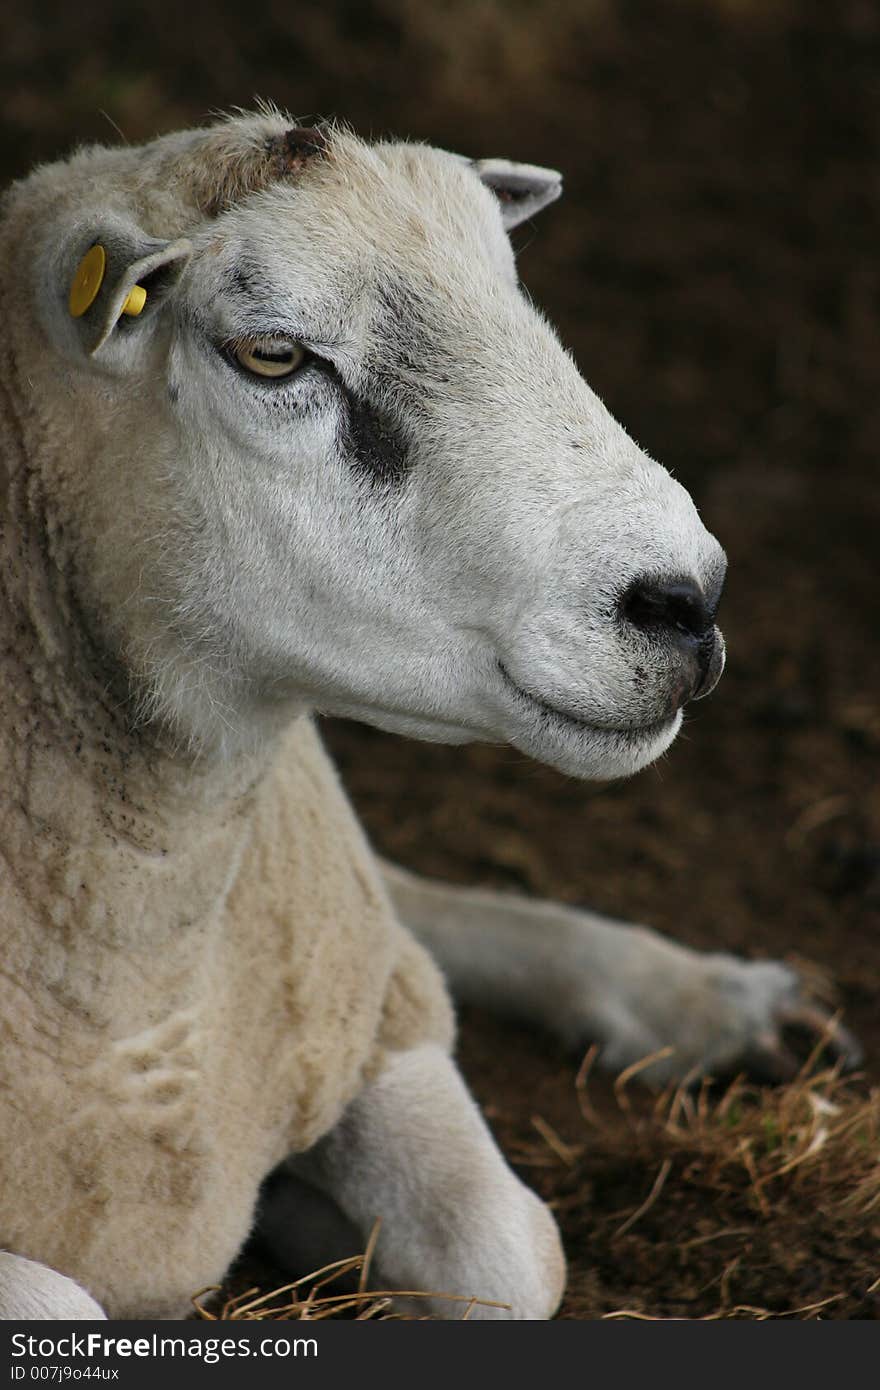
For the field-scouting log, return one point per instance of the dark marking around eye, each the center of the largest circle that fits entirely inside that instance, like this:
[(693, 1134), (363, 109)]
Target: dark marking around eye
[(372, 440)]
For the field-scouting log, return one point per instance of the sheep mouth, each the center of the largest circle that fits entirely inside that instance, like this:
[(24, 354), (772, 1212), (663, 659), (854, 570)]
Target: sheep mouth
[(632, 733)]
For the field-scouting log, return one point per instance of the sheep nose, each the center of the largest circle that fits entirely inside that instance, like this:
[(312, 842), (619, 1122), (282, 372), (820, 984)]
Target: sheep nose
[(678, 610), (673, 607)]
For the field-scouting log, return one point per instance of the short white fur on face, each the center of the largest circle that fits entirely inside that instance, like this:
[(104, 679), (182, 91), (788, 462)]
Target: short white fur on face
[(429, 525)]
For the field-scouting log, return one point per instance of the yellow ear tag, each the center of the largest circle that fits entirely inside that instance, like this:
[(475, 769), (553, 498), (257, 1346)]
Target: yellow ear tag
[(87, 280), (137, 298)]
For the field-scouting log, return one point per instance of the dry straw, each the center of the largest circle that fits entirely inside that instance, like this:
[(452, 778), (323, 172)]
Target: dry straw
[(306, 1299)]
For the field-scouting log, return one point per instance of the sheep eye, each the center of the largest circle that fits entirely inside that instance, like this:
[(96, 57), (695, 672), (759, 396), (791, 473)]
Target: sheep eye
[(272, 357)]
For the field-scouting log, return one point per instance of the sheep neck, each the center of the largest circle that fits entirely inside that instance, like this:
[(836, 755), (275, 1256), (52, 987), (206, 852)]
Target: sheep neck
[(93, 809)]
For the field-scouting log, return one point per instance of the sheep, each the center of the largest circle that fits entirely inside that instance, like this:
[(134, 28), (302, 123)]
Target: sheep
[(281, 434)]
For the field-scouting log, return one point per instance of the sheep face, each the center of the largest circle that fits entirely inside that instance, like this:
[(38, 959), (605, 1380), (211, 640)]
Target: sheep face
[(343, 463)]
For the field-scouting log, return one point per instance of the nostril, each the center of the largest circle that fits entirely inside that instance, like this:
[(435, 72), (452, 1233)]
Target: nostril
[(671, 605)]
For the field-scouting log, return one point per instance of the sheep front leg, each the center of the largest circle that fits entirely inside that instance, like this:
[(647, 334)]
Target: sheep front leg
[(586, 979), (414, 1150), (31, 1291)]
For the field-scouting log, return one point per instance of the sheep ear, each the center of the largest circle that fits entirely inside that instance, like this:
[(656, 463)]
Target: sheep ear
[(521, 189), (114, 280)]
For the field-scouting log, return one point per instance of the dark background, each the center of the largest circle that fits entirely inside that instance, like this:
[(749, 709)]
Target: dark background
[(714, 267)]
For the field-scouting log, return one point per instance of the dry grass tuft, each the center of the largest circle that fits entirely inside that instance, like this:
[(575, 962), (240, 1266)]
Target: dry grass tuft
[(307, 1299), (817, 1138), (755, 1203)]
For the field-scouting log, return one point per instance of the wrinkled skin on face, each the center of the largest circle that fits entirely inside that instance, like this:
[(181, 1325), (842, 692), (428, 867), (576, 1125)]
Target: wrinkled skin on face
[(430, 525)]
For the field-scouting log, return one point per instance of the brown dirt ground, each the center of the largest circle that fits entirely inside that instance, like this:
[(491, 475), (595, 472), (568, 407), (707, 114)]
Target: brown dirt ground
[(715, 270)]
